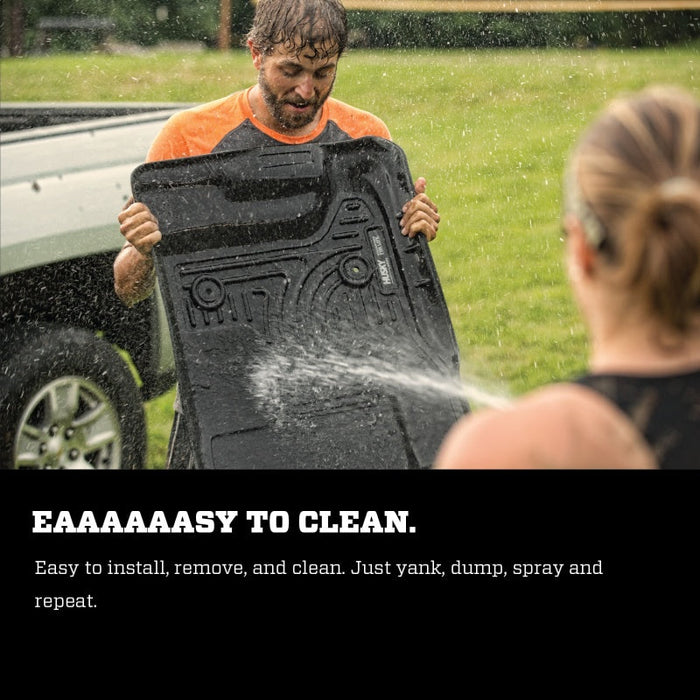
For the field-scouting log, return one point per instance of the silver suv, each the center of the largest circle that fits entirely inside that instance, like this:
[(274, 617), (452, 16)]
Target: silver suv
[(75, 364)]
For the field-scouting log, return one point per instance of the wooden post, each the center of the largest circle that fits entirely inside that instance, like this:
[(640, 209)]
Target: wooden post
[(16, 28), (225, 25)]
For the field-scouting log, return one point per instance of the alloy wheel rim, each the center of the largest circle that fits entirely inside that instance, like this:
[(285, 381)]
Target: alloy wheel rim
[(68, 424)]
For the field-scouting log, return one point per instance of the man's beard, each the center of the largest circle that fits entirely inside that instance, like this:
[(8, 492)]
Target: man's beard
[(292, 121)]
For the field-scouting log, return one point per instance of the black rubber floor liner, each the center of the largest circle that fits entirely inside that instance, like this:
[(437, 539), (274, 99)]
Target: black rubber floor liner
[(307, 331)]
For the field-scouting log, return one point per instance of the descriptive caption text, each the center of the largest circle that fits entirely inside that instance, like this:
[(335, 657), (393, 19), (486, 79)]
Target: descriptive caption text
[(85, 571)]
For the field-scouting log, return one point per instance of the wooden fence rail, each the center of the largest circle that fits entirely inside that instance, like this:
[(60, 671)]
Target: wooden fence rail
[(522, 5)]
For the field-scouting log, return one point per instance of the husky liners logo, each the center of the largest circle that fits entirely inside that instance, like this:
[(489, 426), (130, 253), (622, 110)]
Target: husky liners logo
[(386, 276)]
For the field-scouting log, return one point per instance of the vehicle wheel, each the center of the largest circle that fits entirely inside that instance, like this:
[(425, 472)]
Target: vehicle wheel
[(67, 401)]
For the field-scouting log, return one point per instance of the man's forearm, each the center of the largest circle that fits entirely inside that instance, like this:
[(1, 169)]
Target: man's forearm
[(134, 275)]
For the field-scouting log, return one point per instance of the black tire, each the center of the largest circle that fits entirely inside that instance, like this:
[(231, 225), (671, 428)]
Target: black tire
[(67, 400)]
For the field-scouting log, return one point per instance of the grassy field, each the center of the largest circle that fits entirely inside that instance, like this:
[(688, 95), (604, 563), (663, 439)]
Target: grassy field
[(490, 130)]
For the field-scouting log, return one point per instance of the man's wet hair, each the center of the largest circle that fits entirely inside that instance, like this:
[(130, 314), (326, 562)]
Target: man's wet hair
[(315, 27)]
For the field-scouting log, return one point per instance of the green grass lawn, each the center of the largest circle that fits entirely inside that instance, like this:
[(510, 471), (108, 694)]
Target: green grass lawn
[(489, 129)]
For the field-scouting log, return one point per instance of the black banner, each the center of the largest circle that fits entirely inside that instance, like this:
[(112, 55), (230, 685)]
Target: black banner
[(88, 546)]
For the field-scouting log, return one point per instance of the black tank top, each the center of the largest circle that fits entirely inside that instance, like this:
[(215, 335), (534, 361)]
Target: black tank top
[(665, 409)]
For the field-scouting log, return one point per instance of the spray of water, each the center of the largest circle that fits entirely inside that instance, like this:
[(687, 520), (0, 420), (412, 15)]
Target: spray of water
[(312, 372)]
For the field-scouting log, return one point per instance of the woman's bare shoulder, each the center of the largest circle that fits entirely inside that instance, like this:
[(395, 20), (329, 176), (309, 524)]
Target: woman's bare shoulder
[(561, 426)]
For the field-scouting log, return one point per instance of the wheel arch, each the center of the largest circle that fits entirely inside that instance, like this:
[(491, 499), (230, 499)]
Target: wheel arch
[(80, 293)]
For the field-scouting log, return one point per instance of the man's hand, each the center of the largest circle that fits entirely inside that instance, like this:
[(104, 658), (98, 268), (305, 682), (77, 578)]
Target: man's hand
[(420, 215), (139, 226)]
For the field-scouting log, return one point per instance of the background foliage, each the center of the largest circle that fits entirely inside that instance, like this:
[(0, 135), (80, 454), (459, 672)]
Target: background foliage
[(142, 22), (149, 22), (488, 29)]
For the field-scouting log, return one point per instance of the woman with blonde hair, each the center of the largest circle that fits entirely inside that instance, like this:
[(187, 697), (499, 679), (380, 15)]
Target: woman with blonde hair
[(632, 222)]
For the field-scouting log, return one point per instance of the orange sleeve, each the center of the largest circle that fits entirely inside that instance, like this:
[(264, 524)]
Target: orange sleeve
[(357, 122), (196, 131), (170, 143)]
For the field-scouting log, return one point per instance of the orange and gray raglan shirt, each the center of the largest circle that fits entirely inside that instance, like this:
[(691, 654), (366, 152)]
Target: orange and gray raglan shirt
[(228, 124)]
